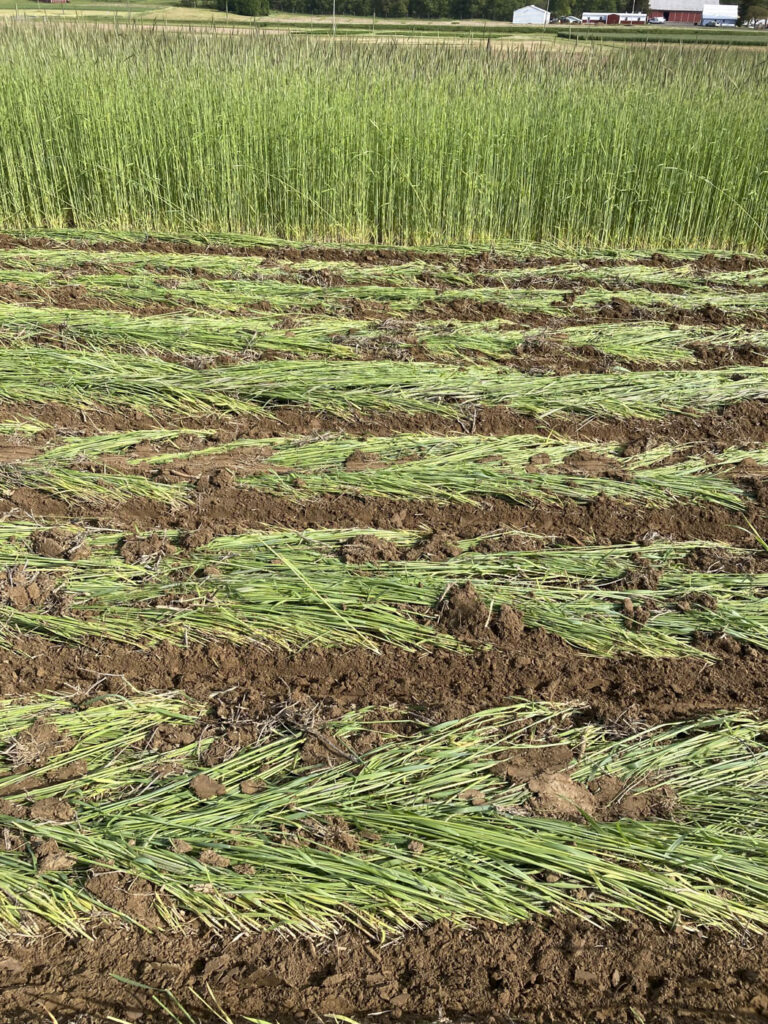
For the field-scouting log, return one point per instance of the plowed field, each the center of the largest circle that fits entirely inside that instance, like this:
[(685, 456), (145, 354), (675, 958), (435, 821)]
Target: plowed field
[(383, 632)]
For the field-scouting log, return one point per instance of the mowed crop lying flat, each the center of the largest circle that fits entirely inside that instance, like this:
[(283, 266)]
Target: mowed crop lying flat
[(382, 630)]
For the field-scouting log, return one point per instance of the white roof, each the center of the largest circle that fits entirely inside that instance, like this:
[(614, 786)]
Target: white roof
[(720, 12), (530, 7), (676, 5)]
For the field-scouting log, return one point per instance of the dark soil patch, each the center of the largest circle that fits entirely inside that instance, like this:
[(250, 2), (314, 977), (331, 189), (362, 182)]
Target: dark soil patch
[(365, 549), (741, 423), (560, 970), (443, 685)]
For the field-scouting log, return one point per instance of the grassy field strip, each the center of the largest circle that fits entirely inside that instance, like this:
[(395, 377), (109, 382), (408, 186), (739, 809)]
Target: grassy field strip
[(136, 291), (195, 244), (690, 277), (381, 142), (292, 588), (521, 468), (87, 379), (338, 337), (386, 837)]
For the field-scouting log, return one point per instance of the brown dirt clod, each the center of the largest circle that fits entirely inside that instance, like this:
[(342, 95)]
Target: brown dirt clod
[(206, 788)]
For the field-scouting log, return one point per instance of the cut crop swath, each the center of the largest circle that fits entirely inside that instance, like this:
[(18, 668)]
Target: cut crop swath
[(141, 291), (190, 337), (409, 270), (87, 379), (321, 587), (523, 469), (424, 824)]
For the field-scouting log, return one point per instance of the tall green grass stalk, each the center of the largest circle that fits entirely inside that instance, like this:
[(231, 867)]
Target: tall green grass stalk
[(304, 137)]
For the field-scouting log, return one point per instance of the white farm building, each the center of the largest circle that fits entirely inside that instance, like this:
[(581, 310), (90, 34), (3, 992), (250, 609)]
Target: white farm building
[(530, 15)]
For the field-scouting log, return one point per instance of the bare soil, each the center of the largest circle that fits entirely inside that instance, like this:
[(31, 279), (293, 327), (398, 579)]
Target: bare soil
[(742, 423), (443, 685), (558, 971)]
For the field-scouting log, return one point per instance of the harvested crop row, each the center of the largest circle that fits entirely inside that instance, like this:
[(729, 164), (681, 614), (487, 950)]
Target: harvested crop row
[(84, 380), (560, 304), (349, 587), (172, 467), (308, 824), (503, 255), (191, 338), (692, 276)]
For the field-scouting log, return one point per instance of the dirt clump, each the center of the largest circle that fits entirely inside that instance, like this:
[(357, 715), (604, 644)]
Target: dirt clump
[(464, 614), (59, 543), (508, 626), (637, 613), (557, 795), (606, 798), (52, 808), (221, 479), (206, 788), (50, 857), (35, 746), (213, 859), (339, 835), (168, 736), (361, 460), (522, 765), (437, 547), (714, 560), (249, 787), (586, 464), (615, 799), (367, 548), (26, 591), (642, 576), (126, 894), (138, 550), (198, 537)]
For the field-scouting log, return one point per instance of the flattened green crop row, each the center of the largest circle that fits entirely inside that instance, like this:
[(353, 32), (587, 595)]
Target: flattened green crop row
[(466, 468), (245, 831), (330, 587), (139, 291), (30, 373), (269, 334), (696, 277), (212, 243)]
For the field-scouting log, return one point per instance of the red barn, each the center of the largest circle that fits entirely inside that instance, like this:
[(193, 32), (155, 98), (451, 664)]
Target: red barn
[(687, 12)]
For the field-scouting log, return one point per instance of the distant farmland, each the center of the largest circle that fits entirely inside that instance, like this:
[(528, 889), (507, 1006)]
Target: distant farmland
[(307, 139)]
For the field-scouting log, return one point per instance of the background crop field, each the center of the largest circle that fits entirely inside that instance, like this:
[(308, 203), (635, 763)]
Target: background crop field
[(305, 138)]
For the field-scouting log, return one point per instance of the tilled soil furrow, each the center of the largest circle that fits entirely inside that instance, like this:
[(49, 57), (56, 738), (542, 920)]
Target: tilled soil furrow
[(743, 423), (218, 512), (444, 684), (561, 971), (464, 257)]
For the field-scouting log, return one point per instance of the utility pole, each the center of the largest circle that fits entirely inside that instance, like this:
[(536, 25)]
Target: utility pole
[(334, 17)]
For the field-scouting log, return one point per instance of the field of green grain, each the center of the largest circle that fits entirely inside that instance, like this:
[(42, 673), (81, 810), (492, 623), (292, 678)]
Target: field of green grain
[(310, 138)]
